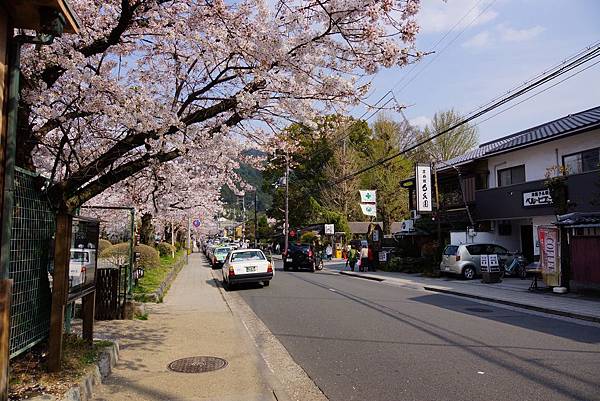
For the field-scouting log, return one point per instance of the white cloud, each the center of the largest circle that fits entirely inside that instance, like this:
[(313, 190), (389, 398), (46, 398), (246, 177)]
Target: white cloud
[(509, 34), (479, 40), (504, 33), (420, 121), (441, 16)]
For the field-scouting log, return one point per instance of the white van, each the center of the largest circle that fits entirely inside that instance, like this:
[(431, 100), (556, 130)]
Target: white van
[(81, 265)]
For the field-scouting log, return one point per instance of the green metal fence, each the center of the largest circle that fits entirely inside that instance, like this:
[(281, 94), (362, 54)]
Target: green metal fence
[(31, 253)]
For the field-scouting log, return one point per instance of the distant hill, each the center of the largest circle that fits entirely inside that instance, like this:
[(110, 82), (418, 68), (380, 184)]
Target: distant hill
[(253, 177)]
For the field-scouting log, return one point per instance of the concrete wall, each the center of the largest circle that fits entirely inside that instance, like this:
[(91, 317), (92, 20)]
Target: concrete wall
[(511, 242), (538, 158)]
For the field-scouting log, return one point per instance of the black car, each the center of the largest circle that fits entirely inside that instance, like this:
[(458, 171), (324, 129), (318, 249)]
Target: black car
[(301, 256)]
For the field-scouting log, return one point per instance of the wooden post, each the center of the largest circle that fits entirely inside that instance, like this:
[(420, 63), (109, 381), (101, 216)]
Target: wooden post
[(60, 289), (5, 302), (88, 310)]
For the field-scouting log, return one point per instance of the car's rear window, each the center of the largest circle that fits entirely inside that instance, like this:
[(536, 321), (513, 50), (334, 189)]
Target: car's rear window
[(222, 251), (302, 247), (451, 250), (247, 255)]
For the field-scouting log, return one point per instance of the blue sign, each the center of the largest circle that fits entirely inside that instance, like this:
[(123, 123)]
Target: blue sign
[(196, 223)]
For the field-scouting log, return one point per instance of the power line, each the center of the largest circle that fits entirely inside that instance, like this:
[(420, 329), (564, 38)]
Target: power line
[(346, 130), (537, 93), (593, 53), (547, 71), (448, 44)]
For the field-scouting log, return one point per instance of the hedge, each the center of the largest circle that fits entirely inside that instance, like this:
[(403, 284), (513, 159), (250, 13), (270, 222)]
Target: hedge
[(118, 254)]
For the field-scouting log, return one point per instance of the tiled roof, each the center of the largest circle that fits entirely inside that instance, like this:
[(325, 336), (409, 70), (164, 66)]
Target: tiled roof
[(563, 126), (579, 219), (361, 227)]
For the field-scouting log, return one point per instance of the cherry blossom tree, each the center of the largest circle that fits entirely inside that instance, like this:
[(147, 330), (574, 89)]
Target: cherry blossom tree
[(152, 90)]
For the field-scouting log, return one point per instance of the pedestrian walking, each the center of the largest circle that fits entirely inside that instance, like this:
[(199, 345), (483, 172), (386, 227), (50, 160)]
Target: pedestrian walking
[(352, 258), (364, 259), (329, 251), (347, 250)]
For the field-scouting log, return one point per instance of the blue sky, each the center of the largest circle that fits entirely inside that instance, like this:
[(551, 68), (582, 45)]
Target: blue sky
[(508, 43)]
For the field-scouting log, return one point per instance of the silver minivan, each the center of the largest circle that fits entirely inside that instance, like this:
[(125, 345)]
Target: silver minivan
[(465, 259)]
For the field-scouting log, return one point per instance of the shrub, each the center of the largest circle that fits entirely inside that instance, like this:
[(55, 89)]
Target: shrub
[(118, 254), (103, 244), (178, 245), (165, 249), (148, 256)]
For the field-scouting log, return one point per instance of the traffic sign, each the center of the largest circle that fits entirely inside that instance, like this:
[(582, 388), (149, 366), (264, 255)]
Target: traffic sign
[(196, 223)]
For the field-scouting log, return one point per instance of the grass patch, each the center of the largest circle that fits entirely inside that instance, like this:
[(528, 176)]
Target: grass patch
[(142, 316), (28, 372), (153, 278)]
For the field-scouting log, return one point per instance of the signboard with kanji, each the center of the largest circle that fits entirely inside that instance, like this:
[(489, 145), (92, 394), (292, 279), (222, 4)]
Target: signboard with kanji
[(423, 178), (537, 198)]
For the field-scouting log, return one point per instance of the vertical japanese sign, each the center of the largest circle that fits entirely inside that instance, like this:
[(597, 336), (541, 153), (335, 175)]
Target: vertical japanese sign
[(423, 182), (549, 255)]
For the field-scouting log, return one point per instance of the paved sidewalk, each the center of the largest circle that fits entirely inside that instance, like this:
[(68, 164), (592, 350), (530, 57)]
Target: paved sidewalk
[(194, 320), (511, 291)]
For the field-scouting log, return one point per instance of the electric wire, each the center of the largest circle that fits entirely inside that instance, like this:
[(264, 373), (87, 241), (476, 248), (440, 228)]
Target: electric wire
[(595, 52)]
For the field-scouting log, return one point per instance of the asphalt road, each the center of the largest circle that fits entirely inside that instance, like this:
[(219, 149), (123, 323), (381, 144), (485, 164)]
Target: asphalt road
[(365, 340)]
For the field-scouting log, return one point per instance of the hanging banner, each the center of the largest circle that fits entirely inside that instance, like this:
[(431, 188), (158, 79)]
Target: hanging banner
[(423, 183), (549, 255), (368, 196), (368, 209)]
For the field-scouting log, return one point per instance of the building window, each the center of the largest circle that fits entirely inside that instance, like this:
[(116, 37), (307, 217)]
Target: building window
[(510, 176), (581, 162)]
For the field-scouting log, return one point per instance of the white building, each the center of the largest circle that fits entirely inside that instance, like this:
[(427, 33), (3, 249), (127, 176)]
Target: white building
[(503, 181)]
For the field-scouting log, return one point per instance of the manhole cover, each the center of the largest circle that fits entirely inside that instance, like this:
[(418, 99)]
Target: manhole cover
[(479, 310), (197, 364)]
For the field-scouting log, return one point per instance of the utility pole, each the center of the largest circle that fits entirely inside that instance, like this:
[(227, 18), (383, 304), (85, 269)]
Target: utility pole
[(172, 238), (188, 237), (255, 219), (437, 201), (286, 226), (244, 218)]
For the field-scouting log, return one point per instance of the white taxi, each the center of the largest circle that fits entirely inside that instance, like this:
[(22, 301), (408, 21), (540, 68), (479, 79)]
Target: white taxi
[(246, 266)]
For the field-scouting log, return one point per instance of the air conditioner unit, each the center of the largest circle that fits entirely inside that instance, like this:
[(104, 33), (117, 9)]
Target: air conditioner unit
[(406, 226)]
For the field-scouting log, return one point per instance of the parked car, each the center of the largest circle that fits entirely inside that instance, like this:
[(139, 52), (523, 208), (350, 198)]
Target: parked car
[(465, 259), (302, 256), (81, 266), (218, 256), (246, 266)]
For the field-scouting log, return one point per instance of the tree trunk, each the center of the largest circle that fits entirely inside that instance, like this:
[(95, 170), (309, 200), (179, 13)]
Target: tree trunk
[(147, 230)]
